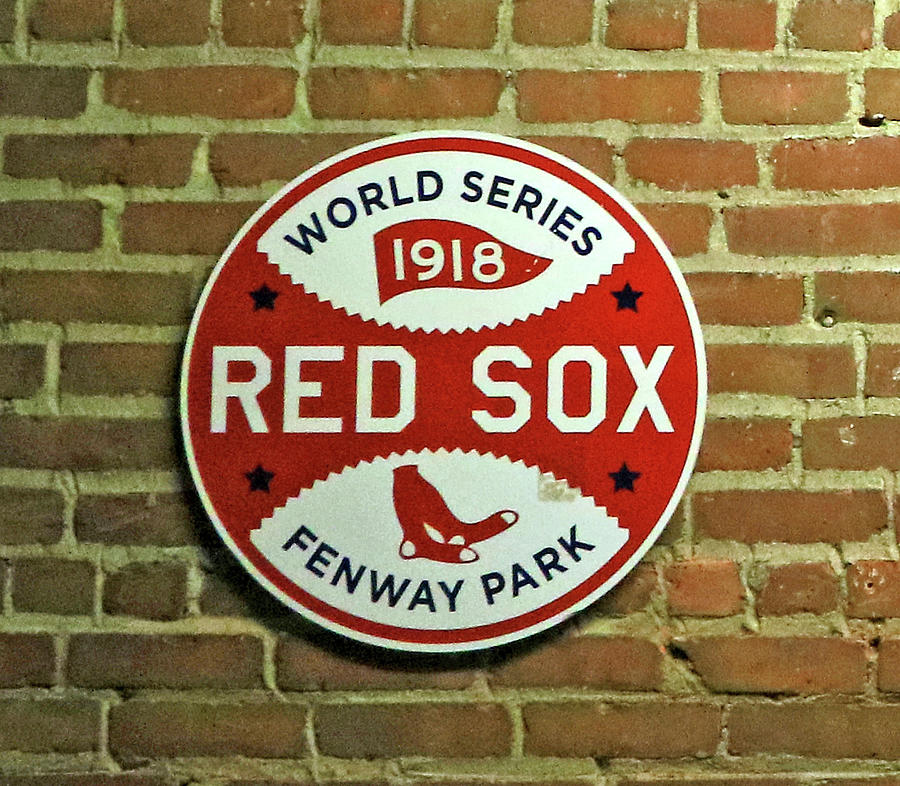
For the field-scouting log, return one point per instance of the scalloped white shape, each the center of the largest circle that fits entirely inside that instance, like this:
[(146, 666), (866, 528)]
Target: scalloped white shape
[(341, 270)]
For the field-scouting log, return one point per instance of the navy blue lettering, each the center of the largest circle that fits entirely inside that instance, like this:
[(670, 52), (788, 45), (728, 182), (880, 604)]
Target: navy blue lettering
[(588, 246), (451, 592), (521, 578), (573, 545), (371, 194), (297, 539), (492, 584), (548, 560), (470, 179), (393, 593), (529, 198), (395, 195), (423, 597), (497, 190), (547, 211), (563, 221), (351, 579), (306, 233), (318, 557), (436, 183), (351, 212)]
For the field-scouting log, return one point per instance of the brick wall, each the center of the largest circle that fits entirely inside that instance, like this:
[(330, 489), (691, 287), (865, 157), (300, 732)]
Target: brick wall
[(758, 644)]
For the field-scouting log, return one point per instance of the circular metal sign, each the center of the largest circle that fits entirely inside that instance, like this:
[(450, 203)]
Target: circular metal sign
[(442, 391)]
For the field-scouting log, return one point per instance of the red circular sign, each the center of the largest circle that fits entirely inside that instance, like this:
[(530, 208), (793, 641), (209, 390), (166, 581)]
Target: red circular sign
[(442, 391)]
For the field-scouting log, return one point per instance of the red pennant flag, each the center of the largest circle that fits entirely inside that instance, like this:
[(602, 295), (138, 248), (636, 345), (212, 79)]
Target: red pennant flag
[(428, 253)]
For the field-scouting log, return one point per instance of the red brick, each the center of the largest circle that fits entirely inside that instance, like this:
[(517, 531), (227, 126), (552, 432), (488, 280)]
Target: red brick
[(799, 588), (882, 87), (829, 164), (53, 586), (704, 588), (362, 21), (167, 22), (647, 24), (115, 660), (30, 516), (152, 590), (356, 731), (635, 96), (647, 730), (269, 23), (126, 298), (58, 226), (552, 22), (72, 20), (814, 230), (221, 597), (7, 20), (757, 444), (728, 780), (365, 94), (748, 664), (747, 298), (736, 24), (852, 443), (833, 25), (23, 370), (464, 24), (250, 159), (804, 371), (128, 160), (26, 659), (883, 370), (825, 729), (789, 516), (138, 729), (182, 227), (39, 91), (873, 589), (892, 31), (49, 726), (782, 97), (634, 592), (595, 154), (135, 520), (119, 369), (211, 91), (72, 443), (862, 297), (889, 665), (691, 164), (599, 662), (684, 227), (89, 779)]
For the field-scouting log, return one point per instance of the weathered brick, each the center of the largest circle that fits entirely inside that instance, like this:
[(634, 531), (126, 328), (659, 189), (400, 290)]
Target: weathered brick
[(167, 22), (117, 660), (756, 444), (30, 516), (151, 160), (599, 662), (889, 665), (552, 22), (49, 726), (7, 20), (74, 443), (883, 370), (125, 298), (221, 597), (789, 516), (305, 666), (804, 371), (829, 164), (646, 24), (211, 91), (863, 297), (798, 588), (119, 369), (595, 154), (634, 592), (852, 443), (691, 164), (649, 730), (182, 227), (833, 24), (138, 729), (362, 21), (59, 226), (873, 589), (464, 24), (135, 520), (684, 227), (736, 24), (250, 159), (801, 665), (269, 23), (704, 588), (26, 659), (23, 367), (152, 590), (635, 96), (747, 298), (365, 94), (86, 779), (40, 91), (355, 731), (892, 31), (882, 87), (782, 97), (53, 586), (727, 780), (825, 729), (72, 20)]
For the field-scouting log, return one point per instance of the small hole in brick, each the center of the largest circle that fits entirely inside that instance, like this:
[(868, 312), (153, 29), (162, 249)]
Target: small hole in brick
[(875, 641), (677, 652), (872, 121), (723, 194), (827, 318)]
